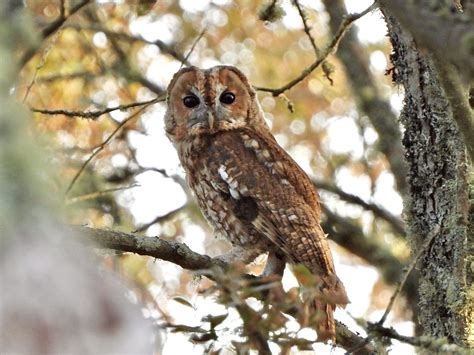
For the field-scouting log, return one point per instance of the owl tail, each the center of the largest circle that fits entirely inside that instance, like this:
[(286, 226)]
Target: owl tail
[(332, 294)]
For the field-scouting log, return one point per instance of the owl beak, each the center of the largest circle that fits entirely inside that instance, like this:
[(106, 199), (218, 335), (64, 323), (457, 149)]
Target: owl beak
[(210, 120)]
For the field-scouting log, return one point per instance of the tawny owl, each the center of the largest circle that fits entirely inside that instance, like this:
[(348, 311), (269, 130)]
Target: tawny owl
[(249, 189)]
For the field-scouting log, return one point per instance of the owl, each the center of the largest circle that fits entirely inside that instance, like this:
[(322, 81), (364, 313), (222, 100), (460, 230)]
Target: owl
[(248, 188)]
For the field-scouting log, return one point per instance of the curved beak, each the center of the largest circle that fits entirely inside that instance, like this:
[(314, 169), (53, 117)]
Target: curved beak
[(210, 120)]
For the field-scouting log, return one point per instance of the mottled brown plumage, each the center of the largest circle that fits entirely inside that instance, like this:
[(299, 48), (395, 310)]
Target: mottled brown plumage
[(250, 190)]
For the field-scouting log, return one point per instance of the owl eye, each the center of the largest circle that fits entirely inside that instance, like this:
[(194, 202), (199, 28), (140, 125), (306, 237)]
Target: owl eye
[(191, 101), (227, 98)]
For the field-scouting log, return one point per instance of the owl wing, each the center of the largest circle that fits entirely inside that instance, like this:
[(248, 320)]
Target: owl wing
[(251, 165)]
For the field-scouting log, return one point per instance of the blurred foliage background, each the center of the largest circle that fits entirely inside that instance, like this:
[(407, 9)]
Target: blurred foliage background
[(118, 170)]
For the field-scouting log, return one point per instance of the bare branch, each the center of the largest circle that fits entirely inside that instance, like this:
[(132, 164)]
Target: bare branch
[(97, 113), (396, 223), (41, 63), (307, 29), (165, 48), (370, 101), (51, 28), (162, 218), (62, 9), (68, 76), (437, 345), (331, 48), (177, 253), (96, 194), (198, 38), (429, 238)]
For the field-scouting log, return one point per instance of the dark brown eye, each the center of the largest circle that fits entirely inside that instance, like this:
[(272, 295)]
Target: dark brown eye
[(190, 101), (227, 98)]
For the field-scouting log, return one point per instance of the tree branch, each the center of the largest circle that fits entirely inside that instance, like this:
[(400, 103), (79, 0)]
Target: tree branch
[(327, 69), (92, 115), (368, 96), (196, 41), (165, 48), (331, 48), (50, 29), (177, 253), (436, 345), (180, 254), (162, 218)]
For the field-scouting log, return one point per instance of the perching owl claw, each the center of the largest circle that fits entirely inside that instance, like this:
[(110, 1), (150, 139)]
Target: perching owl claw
[(249, 189)]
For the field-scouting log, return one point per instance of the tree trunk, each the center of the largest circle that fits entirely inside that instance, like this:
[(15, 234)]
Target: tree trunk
[(437, 205)]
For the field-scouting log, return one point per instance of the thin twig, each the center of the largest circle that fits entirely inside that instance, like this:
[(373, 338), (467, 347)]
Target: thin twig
[(97, 113), (307, 29), (101, 147), (96, 194), (41, 63), (162, 218), (62, 9), (379, 325), (70, 76), (429, 238), (331, 48), (164, 48), (186, 58), (50, 29)]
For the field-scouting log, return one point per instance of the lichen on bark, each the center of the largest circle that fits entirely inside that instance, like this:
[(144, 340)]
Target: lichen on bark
[(438, 197)]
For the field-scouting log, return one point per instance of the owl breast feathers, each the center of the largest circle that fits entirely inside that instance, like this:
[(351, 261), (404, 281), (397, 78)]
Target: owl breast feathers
[(249, 189)]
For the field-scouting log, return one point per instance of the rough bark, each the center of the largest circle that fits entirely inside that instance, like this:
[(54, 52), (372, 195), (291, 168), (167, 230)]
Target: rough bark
[(439, 27), (438, 199)]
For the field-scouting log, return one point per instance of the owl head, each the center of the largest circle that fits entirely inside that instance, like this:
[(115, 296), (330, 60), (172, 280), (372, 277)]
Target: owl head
[(204, 102)]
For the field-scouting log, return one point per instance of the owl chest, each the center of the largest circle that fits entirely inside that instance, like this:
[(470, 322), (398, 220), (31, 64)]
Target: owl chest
[(229, 217)]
